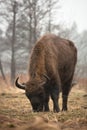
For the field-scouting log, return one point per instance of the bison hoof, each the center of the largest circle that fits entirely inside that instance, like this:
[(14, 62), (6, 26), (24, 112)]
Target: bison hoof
[(46, 110), (56, 110), (64, 109)]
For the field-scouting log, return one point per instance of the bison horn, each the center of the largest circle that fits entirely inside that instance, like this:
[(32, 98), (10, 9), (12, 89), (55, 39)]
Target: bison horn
[(46, 76), (21, 86)]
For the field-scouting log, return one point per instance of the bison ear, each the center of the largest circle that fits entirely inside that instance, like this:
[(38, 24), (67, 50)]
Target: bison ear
[(47, 77)]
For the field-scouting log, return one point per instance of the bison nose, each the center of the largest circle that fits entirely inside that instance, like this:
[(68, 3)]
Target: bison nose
[(38, 108)]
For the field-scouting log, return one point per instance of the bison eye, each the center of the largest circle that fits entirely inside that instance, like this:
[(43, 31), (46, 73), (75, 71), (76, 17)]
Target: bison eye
[(29, 96)]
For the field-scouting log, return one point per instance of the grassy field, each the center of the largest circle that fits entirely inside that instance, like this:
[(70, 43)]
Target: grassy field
[(15, 110)]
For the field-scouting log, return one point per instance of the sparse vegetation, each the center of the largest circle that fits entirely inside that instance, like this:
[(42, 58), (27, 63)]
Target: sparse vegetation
[(15, 110)]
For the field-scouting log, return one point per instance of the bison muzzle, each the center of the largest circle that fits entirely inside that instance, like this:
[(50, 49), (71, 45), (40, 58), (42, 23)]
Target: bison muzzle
[(51, 69)]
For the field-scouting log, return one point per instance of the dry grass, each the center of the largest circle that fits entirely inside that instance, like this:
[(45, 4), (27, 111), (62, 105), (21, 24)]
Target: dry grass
[(15, 110)]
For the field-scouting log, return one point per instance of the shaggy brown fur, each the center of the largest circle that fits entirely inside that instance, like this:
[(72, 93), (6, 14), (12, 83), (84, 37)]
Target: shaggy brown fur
[(52, 55), (52, 64)]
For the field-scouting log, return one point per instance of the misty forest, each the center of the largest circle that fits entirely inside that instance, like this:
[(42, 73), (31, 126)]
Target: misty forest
[(22, 23), (26, 21)]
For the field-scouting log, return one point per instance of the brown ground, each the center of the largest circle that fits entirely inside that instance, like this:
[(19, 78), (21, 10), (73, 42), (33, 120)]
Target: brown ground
[(15, 111)]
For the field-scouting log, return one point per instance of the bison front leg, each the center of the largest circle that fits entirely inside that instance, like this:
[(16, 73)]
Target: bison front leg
[(46, 104), (55, 97)]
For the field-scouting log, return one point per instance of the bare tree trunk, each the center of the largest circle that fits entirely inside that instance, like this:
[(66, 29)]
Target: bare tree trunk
[(35, 22), (13, 69), (2, 72), (30, 34), (49, 12), (30, 26)]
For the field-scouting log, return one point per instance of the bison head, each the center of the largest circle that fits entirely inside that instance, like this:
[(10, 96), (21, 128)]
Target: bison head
[(34, 90)]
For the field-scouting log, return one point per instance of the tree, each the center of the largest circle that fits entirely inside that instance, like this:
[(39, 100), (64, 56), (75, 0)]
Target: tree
[(9, 15), (34, 14), (51, 7), (13, 69), (2, 72)]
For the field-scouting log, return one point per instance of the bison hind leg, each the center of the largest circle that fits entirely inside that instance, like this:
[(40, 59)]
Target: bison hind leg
[(65, 92), (55, 97), (64, 104)]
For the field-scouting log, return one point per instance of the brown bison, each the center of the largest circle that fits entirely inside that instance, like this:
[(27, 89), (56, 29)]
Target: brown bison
[(51, 69)]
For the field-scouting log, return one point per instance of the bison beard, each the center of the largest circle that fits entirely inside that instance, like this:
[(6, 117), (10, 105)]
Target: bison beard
[(51, 69)]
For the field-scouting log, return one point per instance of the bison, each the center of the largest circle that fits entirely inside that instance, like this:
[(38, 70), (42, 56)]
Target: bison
[(51, 69)]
